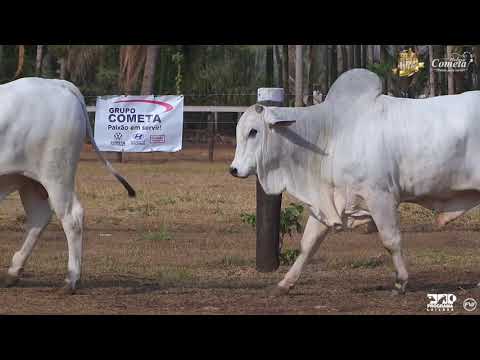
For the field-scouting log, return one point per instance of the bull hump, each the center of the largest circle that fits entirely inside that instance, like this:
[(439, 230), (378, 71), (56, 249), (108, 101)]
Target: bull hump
[(355, 83)]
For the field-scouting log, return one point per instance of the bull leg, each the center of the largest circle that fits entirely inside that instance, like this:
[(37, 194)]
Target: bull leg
[(313, 236), (456, 207), (70, 212), (384, 211), (39, 213)]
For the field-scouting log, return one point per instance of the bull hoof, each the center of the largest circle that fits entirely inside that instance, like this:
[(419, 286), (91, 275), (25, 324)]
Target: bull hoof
[(67, 290), (396, 292), (399, 289), (277, 291), (10, 280)]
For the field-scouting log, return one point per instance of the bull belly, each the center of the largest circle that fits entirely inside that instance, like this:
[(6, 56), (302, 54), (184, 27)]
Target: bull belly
[(441, 201), (448, 207)]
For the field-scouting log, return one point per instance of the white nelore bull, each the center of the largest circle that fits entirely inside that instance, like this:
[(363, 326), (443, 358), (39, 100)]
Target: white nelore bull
[(42, 130), (359, 154)]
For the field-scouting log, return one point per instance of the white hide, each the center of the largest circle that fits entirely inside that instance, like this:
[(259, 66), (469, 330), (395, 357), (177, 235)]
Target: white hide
[(43, 125), (361, 153)]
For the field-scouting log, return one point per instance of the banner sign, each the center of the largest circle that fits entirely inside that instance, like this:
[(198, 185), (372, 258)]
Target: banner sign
[(139, 123)]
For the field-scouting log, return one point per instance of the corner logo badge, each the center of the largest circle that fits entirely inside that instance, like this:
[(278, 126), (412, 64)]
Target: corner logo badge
[(470, 304), (408, 64), (456, 63), (441, 302)]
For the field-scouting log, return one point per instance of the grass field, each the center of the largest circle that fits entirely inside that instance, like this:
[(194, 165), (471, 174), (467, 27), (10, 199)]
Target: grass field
[(180, 247)]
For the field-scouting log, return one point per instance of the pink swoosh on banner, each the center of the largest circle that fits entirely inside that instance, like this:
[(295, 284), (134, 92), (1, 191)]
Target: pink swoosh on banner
[(167, 106)]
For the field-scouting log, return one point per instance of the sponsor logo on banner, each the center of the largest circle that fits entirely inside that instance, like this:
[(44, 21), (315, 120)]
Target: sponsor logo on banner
[(138, 139), (441, 302), (157, 139), (139, 123), (118, 139)]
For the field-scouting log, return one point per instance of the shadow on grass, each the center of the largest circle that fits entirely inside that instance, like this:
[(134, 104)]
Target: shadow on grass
[(135, 285), (430, 287)]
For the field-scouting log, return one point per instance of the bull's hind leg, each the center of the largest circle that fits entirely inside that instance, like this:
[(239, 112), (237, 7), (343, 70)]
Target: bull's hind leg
[(70, 213), (313, 236), (35, 202), (383, 209)]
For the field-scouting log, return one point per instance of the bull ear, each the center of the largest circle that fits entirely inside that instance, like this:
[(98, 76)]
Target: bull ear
[(278, 118)]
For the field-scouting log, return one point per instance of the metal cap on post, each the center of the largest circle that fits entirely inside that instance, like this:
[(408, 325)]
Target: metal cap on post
[(268, 206)]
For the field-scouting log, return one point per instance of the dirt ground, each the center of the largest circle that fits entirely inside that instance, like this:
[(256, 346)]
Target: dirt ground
[(180, 247)]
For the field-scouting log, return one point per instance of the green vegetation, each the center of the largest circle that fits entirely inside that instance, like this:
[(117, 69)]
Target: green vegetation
[(160, 235), (290, 218), (288, 256)]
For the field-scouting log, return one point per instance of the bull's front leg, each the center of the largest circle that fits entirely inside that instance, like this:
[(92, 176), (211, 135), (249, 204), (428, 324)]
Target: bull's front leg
[(313, 236), (383, 208)]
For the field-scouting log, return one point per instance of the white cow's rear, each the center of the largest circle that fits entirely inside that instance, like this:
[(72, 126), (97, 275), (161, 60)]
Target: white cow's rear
[(43, 125)]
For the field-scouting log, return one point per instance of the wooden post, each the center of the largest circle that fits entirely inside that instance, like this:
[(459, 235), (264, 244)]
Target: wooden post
[(211, 137), (268, 206)]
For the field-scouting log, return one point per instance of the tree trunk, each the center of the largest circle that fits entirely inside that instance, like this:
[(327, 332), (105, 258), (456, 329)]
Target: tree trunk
[(476, 75), (328, 63), (150, 69), (333, 64), (364, 56), (285, 73), (1, 61), (299, 75), (351, 56), (344, 57), (269, 66), (276, 49), (370, 54), (38, 64), (432, 72), (394, 79), (63, 68), (459, 82), (384, 59), (357, 55), (21, 60), (311, 71), (321, 70), (450, 75), (340, 65)]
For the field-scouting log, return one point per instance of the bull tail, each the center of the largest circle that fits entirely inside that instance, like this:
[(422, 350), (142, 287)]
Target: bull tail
[(128, 187), (108, 165)]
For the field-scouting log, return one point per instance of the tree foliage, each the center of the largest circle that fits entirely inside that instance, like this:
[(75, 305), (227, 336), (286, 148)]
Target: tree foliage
[(202, 72)]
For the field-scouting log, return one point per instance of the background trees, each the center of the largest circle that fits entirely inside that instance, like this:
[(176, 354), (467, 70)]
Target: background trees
[(230, 74)]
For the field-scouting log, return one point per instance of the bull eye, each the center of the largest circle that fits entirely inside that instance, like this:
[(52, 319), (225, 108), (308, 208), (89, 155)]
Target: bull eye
[(252, 133)]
